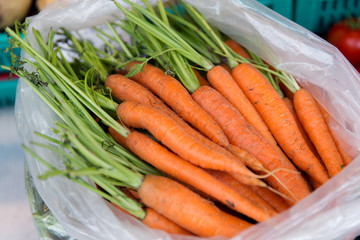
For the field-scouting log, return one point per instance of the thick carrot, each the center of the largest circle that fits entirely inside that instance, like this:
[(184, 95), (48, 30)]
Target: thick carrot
[(314, 124), (279, 120), (237, 48), (240, 133), (187, 209), (222, 81), (154, 220), (345, 157), (125, 89), (242, 189), (167, 131), (177, 97), (171, 164)]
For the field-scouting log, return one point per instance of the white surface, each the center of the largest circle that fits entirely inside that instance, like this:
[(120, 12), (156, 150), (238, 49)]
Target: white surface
[(15, 215)]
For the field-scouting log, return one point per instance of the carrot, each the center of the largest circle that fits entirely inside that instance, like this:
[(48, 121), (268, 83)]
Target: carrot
[(240, 133), (200, 78), (345, 157), (171, 164), (176, 96), (279, 120), (222, 81), (154, 220), (314, 124), (276, 201), (237, 48), (242, 189), (125, 89), (187, 209), (167, 131), (289, 104)]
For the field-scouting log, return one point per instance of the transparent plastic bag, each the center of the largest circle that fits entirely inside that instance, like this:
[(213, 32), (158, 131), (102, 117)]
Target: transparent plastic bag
[(331, 212)]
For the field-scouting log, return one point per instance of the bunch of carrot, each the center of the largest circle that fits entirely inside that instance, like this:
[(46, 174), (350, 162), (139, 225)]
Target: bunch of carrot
[(223, 147)]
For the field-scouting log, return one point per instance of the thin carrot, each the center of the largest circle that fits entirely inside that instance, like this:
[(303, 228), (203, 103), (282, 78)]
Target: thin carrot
[(279, 119), (237, 48), (200, 78), (289, 103), (171, 164), (167, 131), (345, 157), (314, 124), (188, 209), (176, 96), (242, 189), (276, 201), (240, 133), (155, 220), (222, 81)]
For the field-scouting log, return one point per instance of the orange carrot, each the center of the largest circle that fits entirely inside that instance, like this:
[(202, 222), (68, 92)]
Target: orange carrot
[(200, 78), (176, 96), (222, 81), (280, 121), (276, 201), (167, 131), (237, 48), (154, 220), (240, 133), (289, 104), (345, 157), (243, 190), (314, 124), (188, 209), (171, 164)]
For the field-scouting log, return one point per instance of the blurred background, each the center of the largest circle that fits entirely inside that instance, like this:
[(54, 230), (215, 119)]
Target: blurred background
[(337, 21)]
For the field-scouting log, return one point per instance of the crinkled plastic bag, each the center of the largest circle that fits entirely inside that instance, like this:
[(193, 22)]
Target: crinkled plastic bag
[(331, 212)]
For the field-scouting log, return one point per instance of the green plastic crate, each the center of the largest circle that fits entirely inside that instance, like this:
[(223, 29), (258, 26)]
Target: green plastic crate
[(283, 7), (7, 92), (318, 15), (7, 87)]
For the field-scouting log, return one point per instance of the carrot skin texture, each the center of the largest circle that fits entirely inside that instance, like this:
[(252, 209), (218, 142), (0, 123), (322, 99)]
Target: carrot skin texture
[(289, 103), (167, 131), (164, 160), (345, 157), (279, 120), (276, 201), (310, 116), (188, 209), (241, 134), (243, 189), (223, 82), (177, 97)]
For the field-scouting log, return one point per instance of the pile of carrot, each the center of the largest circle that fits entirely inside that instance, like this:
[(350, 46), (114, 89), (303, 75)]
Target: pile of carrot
[(232, 150)]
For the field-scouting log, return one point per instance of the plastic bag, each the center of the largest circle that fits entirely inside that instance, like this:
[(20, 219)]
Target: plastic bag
[(331, 212)]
